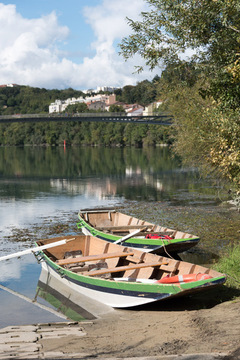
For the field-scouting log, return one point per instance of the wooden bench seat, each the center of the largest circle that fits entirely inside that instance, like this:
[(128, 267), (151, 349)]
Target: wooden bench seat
[(159, 233), (124, 268), (124, 227), (142, 230), (92, 258)]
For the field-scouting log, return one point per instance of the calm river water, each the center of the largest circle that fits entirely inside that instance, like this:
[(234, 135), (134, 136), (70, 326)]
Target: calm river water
[(44, 187)]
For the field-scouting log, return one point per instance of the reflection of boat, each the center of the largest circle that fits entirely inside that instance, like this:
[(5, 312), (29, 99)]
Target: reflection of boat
[(111, 225), (119, 276), (74, 306)]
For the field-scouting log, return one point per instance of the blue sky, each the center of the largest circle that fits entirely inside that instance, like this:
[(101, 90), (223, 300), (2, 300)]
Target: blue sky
[(61, 44)]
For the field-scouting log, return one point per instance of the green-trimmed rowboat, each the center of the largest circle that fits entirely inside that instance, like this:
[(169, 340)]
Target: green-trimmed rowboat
[(110, 225), (120, 276)]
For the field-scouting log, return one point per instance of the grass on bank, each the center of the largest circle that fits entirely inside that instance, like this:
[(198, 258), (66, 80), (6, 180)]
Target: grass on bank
[(229, 264)]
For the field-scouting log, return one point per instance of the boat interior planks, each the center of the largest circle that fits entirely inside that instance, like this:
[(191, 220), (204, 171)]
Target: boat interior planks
[(93, 257), (112, 226)]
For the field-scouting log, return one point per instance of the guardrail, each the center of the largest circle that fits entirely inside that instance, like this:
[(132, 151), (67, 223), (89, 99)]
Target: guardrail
[(162, 119)]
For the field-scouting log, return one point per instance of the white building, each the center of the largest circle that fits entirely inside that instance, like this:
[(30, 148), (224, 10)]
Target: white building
[(151, 108), (134, 110), (61, 105), (56, 107), (106, 88)]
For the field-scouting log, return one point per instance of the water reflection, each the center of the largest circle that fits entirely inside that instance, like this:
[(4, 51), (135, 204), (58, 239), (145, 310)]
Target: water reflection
[(145, 174), (75, 306), (17, 290), (62, 304)]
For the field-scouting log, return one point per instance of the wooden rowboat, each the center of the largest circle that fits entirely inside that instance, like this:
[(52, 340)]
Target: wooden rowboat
[(120, 276), (111, 225)]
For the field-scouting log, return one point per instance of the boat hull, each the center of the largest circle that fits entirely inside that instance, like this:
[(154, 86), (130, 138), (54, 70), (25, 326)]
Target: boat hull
[(118, 276), (156, 246), (124, 294)]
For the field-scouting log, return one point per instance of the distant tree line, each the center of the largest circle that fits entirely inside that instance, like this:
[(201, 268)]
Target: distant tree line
[(29, 100), (82, 133)]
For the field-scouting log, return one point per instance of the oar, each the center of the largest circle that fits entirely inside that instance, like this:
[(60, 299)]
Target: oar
[(128, 236), (35, 249)]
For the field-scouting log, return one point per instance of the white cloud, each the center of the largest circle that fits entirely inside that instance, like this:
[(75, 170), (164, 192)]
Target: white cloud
[(109, 24), (109, 19), (13, 268), (27, 46), (31, 48)]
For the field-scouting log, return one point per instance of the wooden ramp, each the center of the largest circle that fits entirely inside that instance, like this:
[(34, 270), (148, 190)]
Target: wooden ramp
[(25, 342)]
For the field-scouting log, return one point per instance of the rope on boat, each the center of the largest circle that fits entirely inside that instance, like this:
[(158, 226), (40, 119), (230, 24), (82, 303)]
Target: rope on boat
[(166, 249)]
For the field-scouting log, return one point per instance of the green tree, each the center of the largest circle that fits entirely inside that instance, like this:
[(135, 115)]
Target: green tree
[(171, 27), (210, 28), (202, 92), (205, 136), (11, 101), (77, 108), (116, 108), (128, 94)]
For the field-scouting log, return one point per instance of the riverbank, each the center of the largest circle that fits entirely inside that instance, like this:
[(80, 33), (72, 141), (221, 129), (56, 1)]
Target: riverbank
[(202, 324), (161, 332)]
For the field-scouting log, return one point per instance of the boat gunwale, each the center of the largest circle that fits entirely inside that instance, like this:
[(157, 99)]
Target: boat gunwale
[(175, 288), (157, 243)]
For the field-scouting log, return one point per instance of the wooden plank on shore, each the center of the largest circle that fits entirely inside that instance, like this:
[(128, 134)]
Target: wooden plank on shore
[(26, 337)]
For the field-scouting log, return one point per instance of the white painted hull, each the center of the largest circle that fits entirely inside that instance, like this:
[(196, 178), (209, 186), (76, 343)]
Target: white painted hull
[(52, 279), (109, 299)]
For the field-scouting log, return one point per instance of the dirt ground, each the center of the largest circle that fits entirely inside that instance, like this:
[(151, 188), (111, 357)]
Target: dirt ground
[(183, 326)]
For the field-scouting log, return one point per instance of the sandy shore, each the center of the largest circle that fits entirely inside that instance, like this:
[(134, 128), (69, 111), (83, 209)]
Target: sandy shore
[(162, 329)]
